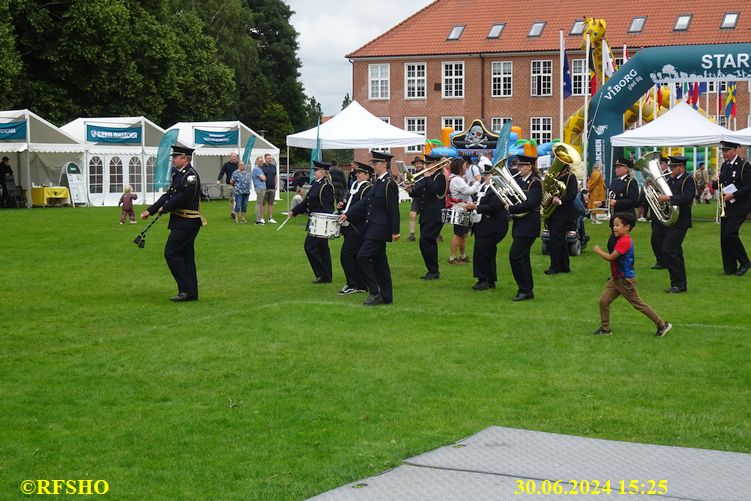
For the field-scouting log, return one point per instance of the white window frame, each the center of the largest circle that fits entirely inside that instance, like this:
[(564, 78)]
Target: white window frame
[(546, 77), (578, 27), (96, 174), (453, 78), (383, 150), (496, 123), (115, 175), (725, 25), (451, 122), (417, 80), (579, 79), (535, 31), (456, 32), (637, 24), (496, 31), (537, 132), (135, 177), (502, 77), (381, 80), (150, 173), (416, 129), (686, 18)]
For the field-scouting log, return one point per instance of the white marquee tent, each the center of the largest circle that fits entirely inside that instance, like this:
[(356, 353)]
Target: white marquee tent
[(120, 151), (38, 150), (215, 141), (742, 136)]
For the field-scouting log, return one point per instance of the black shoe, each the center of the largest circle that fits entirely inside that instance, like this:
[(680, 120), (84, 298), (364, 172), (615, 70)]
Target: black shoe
[(184, 296), (744, 268), (659, 266), (491, 284), (676, 290), (664, 329), (521, 296), (603, 332), (232, 216), (346, 290), (481, 285), (321, 280), (551, 271), (431, 276), (373, 299)]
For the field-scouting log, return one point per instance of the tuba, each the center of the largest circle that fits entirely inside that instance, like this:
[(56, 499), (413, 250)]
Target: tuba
[(655, 185), (505, 186), (564, 155)]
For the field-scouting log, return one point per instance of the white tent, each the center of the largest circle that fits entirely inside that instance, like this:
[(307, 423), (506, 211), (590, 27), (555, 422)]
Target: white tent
[(41, 149), (742, 136), (354, 127), (681, 126), (215, 141), (120, 151)]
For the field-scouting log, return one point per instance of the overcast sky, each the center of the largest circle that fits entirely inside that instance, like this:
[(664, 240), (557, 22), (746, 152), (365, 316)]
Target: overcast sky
[(329, 29)]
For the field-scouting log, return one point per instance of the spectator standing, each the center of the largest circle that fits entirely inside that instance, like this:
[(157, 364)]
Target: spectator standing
[(241, 185), (126, 200), (226, 171), (701, 180), (259, 185), (269, 170), (596, 187), (6, 174)]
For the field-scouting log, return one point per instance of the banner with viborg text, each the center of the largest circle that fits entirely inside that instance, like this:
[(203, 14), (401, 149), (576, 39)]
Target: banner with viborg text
[(648, 67)]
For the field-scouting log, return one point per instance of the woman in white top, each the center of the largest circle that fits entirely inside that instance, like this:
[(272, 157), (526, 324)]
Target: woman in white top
[(459, 193)]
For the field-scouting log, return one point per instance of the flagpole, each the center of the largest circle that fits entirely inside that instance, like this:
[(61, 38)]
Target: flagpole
[(586, 107), (560, 107)]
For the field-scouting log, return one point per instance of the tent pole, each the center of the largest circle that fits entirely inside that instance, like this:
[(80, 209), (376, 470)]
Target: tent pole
[(287, 180), (28, 163)]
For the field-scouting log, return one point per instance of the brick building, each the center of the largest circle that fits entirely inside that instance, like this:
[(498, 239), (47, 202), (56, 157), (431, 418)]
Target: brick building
[(455, 61)]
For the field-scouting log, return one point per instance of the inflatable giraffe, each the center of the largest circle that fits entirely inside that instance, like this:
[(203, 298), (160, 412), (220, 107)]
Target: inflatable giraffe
[(574, 125)]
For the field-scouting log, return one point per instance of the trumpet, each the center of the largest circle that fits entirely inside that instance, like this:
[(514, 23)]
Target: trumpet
[(410, 178), (720, 203), (609, 206)]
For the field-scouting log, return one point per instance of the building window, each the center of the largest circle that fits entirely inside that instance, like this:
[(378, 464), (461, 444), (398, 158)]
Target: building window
[(496, 123), (378, 76), (681, 24), (729, 20), (536, 29), (578, 27), (541, 129), (456, 32), (414, 81), (501, 79), (637, 24), (383, 150), (579, 77), (150, 173), (96, 175), (416, 125), (542, 78), (453, 80), (457, 123), (496, 30), (116, 175), (721, 120), (711, 87), (134, 174), (617, 62)]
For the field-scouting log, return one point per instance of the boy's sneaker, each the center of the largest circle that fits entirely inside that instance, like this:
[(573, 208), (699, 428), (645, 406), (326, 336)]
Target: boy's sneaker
[(664, 329), (260, 221), (603, 332), (272, 220)]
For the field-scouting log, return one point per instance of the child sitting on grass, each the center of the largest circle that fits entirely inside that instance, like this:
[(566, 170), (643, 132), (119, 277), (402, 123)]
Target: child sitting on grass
[(127, 202), (622, 281)]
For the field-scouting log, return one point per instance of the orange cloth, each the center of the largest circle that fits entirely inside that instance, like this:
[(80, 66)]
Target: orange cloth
[(596, 188)]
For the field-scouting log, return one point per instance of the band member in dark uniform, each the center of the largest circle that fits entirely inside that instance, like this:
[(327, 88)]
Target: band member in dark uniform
[(625, 193), (658, 229), (182, 201), (353, 230), (526, 228), (734, 173), (416, 207), (560, 222), (380, 210), (432, 190), (320, 198), (683, 189), (490, 230)]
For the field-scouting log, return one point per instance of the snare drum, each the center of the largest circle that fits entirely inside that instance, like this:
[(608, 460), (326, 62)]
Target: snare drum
[(322, 225), (455, 215)]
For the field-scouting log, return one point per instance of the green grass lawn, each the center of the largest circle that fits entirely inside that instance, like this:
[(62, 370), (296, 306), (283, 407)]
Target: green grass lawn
[(271, 387)]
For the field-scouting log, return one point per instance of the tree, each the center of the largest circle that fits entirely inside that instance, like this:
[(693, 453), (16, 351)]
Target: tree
[(346, 101), (10, 60), (276, 120)]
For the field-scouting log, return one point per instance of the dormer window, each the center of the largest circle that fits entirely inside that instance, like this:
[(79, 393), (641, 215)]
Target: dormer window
[(536, 29), (729, 20), (456, 32), (681, 24), (578, 27), (496, 30), (637, 24)]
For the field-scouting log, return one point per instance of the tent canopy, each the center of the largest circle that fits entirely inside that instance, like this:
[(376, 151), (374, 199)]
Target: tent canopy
[(681, 126), (150, 134), (40, 135), (355, 127), (742, 136), (189, 132)]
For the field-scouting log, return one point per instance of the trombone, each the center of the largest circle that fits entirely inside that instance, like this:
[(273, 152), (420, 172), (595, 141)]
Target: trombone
[(410, 179)]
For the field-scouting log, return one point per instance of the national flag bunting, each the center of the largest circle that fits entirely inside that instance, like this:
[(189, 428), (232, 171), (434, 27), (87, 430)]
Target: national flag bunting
[(730, 100), (567, 85)]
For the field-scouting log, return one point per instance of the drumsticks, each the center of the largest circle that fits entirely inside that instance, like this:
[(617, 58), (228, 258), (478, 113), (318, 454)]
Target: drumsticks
[(285, 222)]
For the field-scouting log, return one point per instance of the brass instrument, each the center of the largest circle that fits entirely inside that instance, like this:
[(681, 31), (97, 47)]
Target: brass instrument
[(565, 156), (720, 203), (609, 206), (410, 178), (505, 186), (654, 186)]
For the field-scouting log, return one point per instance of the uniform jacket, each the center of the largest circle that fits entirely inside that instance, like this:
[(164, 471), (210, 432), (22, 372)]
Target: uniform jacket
[(684, 192), (567, 210), (737, 172), (494, 216), (380, 209), (320, 198), (356, 225), (432, 190), (626, 193), (184, 193), (529, 225)]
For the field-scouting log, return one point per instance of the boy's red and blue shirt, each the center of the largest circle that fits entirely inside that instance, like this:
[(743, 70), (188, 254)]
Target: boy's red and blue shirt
[(623, 267)]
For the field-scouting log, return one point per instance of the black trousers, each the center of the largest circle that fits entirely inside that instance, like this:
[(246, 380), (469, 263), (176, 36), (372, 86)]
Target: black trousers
[(733, 252), (375, 268), (484, 256), (319, 256), (557, 246), (658, 235), (673, 254), (348, 259), (521, 266), (180, 256), (429, 246)]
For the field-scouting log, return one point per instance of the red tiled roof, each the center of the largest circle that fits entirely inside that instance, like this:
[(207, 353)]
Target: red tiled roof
[(426, 31)]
